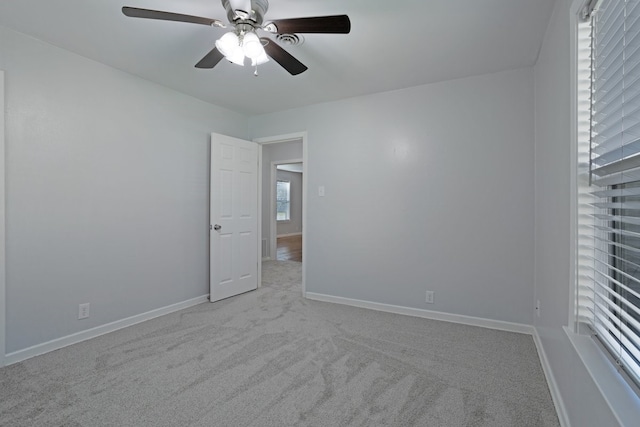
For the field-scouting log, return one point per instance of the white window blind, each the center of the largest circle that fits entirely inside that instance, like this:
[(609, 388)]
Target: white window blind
[(609, 230)]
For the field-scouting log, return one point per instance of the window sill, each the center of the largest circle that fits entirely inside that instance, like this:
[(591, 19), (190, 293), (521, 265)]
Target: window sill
[(283, 221), (619, 395)]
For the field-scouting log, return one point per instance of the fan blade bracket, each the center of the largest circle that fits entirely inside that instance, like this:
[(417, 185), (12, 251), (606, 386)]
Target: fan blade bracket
[(270, 27)]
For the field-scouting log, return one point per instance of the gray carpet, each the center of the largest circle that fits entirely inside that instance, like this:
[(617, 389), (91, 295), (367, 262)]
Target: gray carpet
[(271, 358)]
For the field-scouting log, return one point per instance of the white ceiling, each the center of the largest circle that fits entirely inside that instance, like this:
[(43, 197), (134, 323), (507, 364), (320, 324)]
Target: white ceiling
[(393, 44)]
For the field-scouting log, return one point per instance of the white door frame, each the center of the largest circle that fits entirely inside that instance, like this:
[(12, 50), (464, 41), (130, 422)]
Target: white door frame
[(273, 237), (274, 140), (3, 245)]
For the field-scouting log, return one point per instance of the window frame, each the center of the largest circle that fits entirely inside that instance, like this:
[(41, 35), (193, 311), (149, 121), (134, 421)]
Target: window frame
[(619, 391), (607, 253), (288, 201)]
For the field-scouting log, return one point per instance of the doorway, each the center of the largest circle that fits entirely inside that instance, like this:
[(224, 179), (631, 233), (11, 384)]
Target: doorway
[(287, 179), (281, 150)]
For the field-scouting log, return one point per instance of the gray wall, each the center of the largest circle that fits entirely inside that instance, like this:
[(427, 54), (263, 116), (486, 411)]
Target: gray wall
[(107, 191), (585, 405), (294, 225), (107, 197), (274, 153), (426, 188)]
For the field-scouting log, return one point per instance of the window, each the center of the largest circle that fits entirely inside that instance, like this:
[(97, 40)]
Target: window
[(609, 193), (283, 200)]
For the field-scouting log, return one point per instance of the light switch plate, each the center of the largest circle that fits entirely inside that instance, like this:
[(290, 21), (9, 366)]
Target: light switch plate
[(83, 311)]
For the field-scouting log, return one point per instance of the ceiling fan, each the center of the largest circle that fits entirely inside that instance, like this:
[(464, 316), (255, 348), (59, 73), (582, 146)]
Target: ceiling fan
[(246, 17)]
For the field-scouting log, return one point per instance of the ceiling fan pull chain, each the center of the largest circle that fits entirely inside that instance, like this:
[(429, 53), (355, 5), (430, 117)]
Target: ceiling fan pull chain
[(255, 73)]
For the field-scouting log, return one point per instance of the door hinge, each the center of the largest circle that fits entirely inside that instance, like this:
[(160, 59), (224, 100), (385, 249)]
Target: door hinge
[(210, 227)]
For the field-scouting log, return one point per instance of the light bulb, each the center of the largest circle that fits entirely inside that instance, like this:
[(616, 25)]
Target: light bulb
[(252, 46)]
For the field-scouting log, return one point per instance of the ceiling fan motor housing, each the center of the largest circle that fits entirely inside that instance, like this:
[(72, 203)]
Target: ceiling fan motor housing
[(253, 17)]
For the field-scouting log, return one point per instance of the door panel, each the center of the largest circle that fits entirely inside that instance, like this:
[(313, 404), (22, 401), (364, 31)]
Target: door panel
[(234, 208)]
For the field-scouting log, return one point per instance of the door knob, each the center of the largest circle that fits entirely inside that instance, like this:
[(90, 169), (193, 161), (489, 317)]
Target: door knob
[(217, 227)]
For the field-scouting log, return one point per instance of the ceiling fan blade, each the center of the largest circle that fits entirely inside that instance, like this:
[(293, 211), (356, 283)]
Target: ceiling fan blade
[(282, 57), (211, 59), (135, 12), (338, 24)]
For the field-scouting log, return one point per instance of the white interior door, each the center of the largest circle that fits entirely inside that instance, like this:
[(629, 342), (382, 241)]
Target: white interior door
[(234, 217)]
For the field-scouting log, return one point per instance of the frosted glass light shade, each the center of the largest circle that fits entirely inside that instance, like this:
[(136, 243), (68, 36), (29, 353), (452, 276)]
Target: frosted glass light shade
[(237, 56), (228, 44), (252, 46), (260, 59)]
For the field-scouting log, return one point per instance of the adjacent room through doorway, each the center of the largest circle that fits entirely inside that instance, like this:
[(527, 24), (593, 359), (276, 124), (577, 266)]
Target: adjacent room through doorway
[(288, 202), (282, 199), (289, 248)]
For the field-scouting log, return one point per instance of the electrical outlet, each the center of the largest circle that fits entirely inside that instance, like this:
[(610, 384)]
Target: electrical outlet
[(538, 308), (429, 297), (83, 311)]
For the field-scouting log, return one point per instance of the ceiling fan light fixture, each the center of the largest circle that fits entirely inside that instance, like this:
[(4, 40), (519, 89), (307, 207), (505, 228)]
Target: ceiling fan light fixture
[(247, 16), (228, 44), (237, 57), (251, 46), (260, 59)]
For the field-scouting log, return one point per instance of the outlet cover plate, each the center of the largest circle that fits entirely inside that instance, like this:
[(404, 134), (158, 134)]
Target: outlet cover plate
[(429, 297)]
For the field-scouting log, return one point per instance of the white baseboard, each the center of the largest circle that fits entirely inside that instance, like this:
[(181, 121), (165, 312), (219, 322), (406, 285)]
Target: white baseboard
[(427, 314), (58, 343), (290, 234), (561, 410)]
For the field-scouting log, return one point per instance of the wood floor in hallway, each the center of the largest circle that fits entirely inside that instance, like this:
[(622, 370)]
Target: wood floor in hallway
[(289, 248)]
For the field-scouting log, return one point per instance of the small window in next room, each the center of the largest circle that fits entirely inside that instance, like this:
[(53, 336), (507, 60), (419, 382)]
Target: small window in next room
[(283, 200)]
